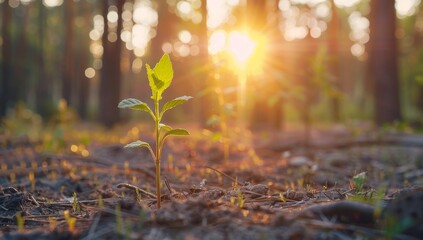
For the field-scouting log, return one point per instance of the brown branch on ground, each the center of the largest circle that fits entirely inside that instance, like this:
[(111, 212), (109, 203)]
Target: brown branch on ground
[(135, 188)]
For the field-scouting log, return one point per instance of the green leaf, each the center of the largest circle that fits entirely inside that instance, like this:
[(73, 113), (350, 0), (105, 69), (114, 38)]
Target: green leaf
[(136, 105), (164, 127), (173, 103), (139, 143), (175, 132), (160, 77), (154, 83), (164, 71)]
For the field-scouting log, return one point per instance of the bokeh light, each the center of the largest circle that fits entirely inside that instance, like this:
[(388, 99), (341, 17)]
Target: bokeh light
[(406, 8), (90, 72), (52, 3)]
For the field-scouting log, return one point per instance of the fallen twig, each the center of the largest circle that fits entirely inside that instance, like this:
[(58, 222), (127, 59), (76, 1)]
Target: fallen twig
[(135, 188)]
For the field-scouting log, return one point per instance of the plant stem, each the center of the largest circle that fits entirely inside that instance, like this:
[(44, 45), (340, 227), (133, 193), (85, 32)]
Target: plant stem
[(158, 184)]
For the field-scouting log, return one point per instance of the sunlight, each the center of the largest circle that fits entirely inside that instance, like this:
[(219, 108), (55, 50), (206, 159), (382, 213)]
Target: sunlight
[(52, 3), (241, 46), (245, 50), (219, 12), (406, 8), (185, 36), (89, 72), (184, 7), (217, 42), (346, 3)]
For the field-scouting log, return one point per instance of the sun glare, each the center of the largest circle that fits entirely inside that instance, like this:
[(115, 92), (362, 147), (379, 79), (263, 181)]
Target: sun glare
[(244, 50), (241, 46)]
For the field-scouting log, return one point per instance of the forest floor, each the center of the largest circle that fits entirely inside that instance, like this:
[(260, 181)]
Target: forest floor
[(340, 184)]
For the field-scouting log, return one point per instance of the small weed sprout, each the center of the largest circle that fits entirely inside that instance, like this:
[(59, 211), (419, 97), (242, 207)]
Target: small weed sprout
[(75, 204), (100, 201), (20, 221), (71, 221), (159, 78), (282, 197), (358, 181)]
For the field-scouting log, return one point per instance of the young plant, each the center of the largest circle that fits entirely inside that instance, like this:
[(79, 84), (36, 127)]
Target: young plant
[(159, 78)]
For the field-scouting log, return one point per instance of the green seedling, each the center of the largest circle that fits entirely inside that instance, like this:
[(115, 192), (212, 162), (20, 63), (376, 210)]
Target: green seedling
[(20, 221), (100, 201), (159, 78), (71, 221), (75, 204), (358, 181)]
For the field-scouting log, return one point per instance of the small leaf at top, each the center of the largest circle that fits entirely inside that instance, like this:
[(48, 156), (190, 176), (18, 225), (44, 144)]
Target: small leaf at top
[(164, 71), (160, 77), (154, 83), (137, 143), (173, 103), (136, 105)]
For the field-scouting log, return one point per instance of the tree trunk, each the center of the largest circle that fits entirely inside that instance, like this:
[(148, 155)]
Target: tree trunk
[(307, 48), (203, 73), (83, 55), (256, 19), (165, 30), (383, 62), (6, 79), (21, 61), (43, 96), (333, 48), (110, 73), (68, 73)]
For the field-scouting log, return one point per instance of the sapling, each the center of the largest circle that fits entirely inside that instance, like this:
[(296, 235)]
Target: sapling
[(159, 79)]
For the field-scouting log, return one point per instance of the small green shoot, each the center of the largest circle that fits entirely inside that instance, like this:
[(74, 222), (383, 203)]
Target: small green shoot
[(100, 201), (75, 204), (71, 221), (358, 181), (282, 197), (241, 200), (20, 221), (159, 78)]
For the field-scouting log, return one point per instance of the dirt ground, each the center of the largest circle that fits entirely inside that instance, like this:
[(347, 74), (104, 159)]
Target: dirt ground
[(338, 184)]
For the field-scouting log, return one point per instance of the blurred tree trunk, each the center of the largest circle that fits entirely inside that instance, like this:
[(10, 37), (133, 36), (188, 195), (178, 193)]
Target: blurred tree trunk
[(383, 61), (21, 60), (83, 55), (43, 96), (203, 75), (68, 67), (264, 113), (276, 56), (166, 28), (110, 73), (6, 80), (307, 48), (333, 50), (418, 62)]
